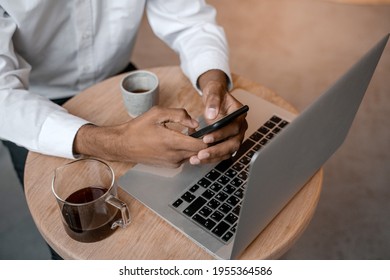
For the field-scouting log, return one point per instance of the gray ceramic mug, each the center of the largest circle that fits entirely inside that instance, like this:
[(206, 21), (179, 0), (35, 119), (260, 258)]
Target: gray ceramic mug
[(139, 91)]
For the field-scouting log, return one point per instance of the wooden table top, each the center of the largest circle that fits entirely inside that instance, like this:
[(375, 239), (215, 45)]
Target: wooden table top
[(149, 236)]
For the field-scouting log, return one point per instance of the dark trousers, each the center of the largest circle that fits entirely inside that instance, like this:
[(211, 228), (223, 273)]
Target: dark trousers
[(19, 154)]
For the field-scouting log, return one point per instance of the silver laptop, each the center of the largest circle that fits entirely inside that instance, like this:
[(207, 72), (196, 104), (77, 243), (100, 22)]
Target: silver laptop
[(223, 207)]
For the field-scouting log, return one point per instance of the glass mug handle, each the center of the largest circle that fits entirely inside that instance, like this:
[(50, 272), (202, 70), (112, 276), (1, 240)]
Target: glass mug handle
[(124, 211)]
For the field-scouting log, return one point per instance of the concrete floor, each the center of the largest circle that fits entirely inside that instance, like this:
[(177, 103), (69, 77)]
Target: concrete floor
[(296, 48)]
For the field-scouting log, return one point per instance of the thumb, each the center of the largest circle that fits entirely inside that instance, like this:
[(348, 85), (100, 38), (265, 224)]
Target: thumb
[(213, 99)]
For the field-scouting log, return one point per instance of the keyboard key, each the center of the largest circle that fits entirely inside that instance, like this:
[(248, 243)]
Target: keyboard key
[(227, 236), (208, 194), (238, 166), (237, 182), (245, 160), (243, 175), (217, 216), (223, 180), (229, 189), (194, 188), (231, 218), (239, 193), (233, 200), (269, 124), (263, 142), (188, 197), (225, 208), (276, 130), (194, 206), (177, 203), (231, 173), (270, 136), (213, 203), (257, 147), (256, 136), (224, 165), (221, 196), (263, 130), (250, 153), (204, 183), (276, 119), (207, 223), (213, 175), (215, 187), (205, 211), (221, 228), (237, 210), (283, 124)]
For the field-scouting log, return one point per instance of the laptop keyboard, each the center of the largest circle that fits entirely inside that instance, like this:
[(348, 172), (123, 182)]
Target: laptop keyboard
[(214, 202)]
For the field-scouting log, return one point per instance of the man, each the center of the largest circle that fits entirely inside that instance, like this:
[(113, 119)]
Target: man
[(51, 50)]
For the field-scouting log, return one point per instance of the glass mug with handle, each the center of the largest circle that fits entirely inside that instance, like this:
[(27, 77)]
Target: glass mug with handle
[(86, 193)]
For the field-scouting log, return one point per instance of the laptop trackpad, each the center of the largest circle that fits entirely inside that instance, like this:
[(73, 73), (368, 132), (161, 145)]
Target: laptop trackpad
[(158, 171)]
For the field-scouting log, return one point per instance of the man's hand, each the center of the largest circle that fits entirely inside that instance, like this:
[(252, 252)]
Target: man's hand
[(218, 103), (144, 139)]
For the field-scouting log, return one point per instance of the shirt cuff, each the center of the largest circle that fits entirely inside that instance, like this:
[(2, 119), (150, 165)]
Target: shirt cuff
[(209, 61), (58, 133)]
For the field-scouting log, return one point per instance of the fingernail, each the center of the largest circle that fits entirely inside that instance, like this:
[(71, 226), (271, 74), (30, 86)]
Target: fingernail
[(203, 155), (194, 161), (211, 113), (208, 139)]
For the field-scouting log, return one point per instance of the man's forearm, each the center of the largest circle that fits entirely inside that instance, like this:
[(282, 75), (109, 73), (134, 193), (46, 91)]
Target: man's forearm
[(95, 141)]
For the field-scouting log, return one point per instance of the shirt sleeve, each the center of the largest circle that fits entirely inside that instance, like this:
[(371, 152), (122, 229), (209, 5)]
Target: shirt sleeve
[(27, 119), (190, 29)]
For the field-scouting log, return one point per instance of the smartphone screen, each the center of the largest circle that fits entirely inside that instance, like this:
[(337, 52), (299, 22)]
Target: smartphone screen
[(220, 123)]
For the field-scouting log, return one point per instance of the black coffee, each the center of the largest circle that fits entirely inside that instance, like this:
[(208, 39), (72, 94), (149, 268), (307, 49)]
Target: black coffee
[(88, 223), (86, 195), (139, 90)]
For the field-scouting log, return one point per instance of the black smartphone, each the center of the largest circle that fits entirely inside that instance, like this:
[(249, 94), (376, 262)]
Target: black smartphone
[(220, 123)]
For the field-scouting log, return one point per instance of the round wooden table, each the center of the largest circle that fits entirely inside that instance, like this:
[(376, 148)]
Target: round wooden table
[(149, 236)]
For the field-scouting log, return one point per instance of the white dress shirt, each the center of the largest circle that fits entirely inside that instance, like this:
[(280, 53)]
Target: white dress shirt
[(54, 49)]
